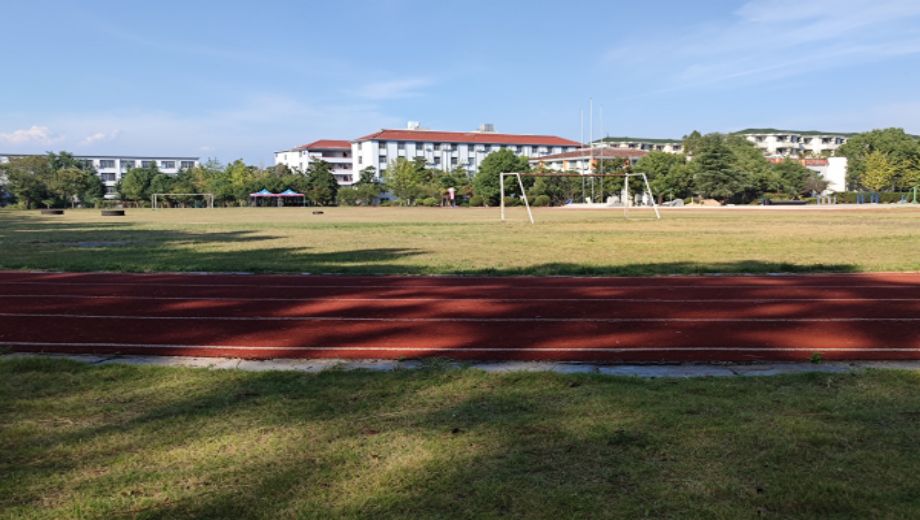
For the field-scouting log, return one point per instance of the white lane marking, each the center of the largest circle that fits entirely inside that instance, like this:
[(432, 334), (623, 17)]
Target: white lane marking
[(460, 298), (448, 319), (461, 349), (154, 284)]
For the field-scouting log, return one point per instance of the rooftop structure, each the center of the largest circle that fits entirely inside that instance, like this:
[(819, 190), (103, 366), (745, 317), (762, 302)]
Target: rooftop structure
[(336, 152), (449, 150)]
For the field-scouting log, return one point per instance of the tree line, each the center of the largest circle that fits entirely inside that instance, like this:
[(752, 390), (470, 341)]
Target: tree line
[(52, 180), (727, 168)]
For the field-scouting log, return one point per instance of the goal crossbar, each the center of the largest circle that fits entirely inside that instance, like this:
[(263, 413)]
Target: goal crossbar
[(208, 197), (520, 182)]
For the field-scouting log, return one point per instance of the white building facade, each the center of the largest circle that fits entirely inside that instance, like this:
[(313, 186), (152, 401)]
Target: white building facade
[(795, 144), (449, 150), (645, 145), (338, 153), (111, 168), (586, 160)]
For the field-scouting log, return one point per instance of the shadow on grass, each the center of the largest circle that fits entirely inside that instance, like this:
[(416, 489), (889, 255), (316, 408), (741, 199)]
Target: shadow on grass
[(43, 243), (168, 443), (32, 242)]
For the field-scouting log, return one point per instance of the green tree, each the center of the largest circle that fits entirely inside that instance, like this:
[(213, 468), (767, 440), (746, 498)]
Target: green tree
[(28, 180), (901, 149), (486, 180), (321, 186), (368, 175), (667, 174), (718, 177), (691, 143), (135, 184), (879, 172), (791, 176), (406, 180), (242, 180), (73, 184), (161, 183)]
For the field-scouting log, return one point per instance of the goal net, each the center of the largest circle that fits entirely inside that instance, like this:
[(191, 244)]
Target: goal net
[(644, 197), (182, 200)]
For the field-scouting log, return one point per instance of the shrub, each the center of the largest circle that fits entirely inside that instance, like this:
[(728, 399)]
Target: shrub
[(512, 201), (475, 200), (429, 202), (541, 201)]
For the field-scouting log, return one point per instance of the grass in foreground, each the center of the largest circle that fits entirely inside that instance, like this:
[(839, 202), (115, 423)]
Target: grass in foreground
[(119, 441), (465, 241)]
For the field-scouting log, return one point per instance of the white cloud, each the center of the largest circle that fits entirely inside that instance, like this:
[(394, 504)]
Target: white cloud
[(98, 137), (252, 129), (769, 40), (394, 89), (32, 135)]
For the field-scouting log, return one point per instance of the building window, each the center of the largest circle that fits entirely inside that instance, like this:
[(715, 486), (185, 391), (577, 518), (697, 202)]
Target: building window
[(107, 163), (187, 165), (169, 165), (126, 165), (108, 177), (147, 164)]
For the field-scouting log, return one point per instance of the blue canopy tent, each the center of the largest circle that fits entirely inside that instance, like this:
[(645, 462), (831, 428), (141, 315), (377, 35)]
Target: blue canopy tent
[(264, 194)]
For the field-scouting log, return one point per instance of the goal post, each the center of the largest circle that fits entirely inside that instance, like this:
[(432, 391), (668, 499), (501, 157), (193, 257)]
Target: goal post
[(647, 188), (158, 198)]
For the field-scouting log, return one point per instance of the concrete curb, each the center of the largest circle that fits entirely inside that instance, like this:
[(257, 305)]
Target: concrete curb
[(649, 371)]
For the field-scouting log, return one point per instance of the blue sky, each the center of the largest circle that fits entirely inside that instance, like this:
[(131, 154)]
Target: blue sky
[(243, 79)]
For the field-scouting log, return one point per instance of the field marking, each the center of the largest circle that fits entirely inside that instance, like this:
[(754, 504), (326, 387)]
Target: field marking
[(460, 349), (459, 298), (913, 286), (445, 319)]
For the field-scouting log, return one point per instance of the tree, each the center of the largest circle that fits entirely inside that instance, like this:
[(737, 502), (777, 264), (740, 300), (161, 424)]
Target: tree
[(321, 186), (486, 180), (691, 143), (815, 182), (28, 180), (405, 179), (901, 149), (879, 172), (717, 176), (368, 175), (135, 184), (667, 174), (73, 184), (791, 176)]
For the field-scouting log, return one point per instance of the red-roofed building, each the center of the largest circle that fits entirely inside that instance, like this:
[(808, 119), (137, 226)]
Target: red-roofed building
[(450, 150), (336, 152)]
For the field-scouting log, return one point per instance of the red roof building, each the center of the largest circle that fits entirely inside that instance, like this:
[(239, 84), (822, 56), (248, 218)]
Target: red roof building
[(336, 152), (449, 151)]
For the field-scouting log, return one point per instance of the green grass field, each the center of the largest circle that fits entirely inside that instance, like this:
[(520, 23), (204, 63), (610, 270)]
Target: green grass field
[(465, 241), (78, 441)]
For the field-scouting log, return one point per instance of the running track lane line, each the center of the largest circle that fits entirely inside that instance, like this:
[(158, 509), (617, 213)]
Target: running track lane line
[(447, 298), (450, 350), (448, 320), (509, 286)]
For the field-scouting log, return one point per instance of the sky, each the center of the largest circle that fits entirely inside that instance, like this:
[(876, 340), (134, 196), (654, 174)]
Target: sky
[(236, 80)]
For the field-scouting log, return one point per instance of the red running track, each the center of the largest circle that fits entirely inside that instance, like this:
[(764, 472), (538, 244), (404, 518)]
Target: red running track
[(657, 319)]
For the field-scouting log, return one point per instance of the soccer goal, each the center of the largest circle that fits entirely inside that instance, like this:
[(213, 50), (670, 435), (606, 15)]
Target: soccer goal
[(624, 200), (182, 200)]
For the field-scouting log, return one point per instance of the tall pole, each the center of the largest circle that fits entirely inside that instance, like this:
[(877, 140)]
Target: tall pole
[(590, 145), (501, 201)]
